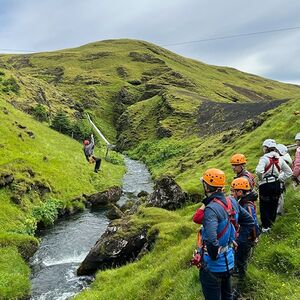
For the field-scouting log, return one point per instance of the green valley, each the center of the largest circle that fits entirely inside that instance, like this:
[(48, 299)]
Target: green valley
[(177, 115)]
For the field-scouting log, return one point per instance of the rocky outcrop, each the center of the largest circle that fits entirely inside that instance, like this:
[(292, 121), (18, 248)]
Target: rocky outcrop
[(167, 194), (121, 243), (112, 195), (6, 178), (163, 132)]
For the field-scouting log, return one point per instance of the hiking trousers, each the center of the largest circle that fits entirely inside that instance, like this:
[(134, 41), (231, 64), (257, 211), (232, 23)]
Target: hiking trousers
[(216, 286), (268, 209), (97, 163), (242, 257)]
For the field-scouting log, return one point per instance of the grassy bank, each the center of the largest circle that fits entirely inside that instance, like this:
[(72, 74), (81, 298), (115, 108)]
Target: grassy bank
[(50, 172)]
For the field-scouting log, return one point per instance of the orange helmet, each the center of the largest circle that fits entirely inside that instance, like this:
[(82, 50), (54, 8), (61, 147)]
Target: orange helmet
[(240, 183), (214, 177), (238, 159)]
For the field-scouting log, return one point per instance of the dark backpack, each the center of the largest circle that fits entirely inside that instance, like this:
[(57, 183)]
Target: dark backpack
[(250, 177)]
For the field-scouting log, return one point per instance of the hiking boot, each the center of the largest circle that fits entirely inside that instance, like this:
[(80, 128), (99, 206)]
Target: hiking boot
[(266, 230)]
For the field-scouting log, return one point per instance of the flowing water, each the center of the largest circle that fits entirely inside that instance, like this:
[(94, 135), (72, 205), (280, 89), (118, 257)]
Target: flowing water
[(66, 244)]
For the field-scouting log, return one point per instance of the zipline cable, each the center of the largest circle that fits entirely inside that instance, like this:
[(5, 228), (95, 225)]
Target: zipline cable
[(190, 42)]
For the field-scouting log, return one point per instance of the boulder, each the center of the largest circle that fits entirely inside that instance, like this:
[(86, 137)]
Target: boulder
[(163, 132), (6, 178), (121, 243), (142, 194), (112, 195), (167, 194), (114, 212)]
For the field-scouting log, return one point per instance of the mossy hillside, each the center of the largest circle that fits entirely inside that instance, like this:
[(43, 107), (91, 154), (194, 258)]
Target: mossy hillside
[(57, 158), (49, 171), (175, 86), (186, 158), (88, 79)]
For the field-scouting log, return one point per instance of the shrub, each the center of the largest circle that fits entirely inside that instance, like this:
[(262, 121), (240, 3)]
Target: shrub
[(48, 212), (11, 85), (40, 113), (81, 130), (61, 122)]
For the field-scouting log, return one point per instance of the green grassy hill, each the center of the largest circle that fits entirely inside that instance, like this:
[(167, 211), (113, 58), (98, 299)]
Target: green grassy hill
[(115, 77), (178, 115), (50, 172)]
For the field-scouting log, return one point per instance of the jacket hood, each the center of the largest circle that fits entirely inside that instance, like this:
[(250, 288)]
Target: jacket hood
[(272, 154)]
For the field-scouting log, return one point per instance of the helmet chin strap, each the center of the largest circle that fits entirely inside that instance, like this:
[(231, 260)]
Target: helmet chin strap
[(209, 193)]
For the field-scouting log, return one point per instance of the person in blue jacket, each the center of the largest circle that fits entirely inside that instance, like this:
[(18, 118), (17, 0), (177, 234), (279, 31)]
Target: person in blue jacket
[(221, 218)]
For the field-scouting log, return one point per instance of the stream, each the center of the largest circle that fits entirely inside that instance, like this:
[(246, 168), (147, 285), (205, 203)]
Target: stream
[(64, 246)]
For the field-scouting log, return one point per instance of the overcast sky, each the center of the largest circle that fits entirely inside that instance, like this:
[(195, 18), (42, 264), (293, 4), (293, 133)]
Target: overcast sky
[(43, 25)]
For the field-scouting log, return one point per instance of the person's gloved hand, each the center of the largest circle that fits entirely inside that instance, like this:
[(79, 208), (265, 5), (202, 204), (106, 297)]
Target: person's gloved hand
[(205, 201)]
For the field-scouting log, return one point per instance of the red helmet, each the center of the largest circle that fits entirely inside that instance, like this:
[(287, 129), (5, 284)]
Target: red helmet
[(86, 142)]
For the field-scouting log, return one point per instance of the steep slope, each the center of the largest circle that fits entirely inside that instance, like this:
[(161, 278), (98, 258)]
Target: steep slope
[(41, 171)]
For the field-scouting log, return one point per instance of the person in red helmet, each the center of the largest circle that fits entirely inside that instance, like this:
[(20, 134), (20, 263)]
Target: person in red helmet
[(88, 150)]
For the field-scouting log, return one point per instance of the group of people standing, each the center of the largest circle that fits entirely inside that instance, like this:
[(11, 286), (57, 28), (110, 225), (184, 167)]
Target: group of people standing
[(230, 226)]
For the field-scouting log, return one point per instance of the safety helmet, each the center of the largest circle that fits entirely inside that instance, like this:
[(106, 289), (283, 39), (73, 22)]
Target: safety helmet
[(238, 159), (240, 183), (269, 143), (297, 137), (282, 149), (214, 177), (86, 142)]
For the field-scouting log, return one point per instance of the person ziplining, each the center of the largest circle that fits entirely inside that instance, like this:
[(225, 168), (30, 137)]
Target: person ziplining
[(88, 150), (90, 145)]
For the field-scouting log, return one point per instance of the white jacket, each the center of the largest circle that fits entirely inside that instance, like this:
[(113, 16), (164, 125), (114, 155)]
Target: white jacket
[(284, 173), (287, 159)]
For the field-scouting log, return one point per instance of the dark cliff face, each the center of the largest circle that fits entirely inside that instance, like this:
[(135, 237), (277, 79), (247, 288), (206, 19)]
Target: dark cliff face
[(214, 117)]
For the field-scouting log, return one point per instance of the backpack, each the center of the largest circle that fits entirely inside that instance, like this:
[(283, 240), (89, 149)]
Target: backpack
[(250, 178), (273, 162), (231, 213), (199, 252)]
